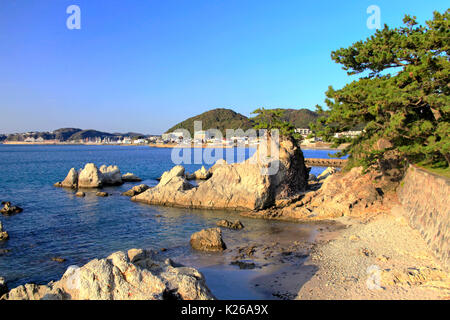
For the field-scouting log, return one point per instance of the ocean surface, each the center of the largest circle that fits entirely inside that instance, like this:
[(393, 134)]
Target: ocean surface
[(55, 223)]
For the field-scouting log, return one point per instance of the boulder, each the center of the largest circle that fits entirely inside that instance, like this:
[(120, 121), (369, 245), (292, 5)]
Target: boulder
[(71, 180), (200, 174), (9, 209), (133, 275), (90, 177), (238, 186), (136, 190), (3, 234), (80, 194), (130, 177), (102, 194), (236, 225), (208, 240), (111, 175)]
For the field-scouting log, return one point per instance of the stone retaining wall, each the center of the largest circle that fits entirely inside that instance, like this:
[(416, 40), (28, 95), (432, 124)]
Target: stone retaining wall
[(426, 199)]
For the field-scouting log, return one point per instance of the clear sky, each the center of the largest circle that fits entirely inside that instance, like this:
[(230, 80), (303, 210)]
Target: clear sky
[(144, 65)]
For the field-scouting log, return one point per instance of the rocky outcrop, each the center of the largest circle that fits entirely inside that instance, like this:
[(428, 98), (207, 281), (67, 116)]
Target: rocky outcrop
[(326, 173), (111, 175), (134, 275), (200, 174), (341, 194), (9, 209), (136, 190), (130, 177), (238, 186), (71, 180), (3, 234), (236, 225), (90, 177), (208, 240)]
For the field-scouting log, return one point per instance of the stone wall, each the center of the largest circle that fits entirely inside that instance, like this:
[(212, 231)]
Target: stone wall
[(426, 199)]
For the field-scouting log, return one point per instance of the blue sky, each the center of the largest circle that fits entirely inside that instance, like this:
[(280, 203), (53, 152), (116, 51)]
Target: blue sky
[(144, 65)]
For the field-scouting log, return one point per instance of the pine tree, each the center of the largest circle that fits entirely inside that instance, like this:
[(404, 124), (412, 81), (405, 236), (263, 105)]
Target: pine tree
[(402, 95)]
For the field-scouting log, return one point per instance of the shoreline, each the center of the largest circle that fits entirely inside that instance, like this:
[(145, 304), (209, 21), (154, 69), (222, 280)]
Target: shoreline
[(168, 146)]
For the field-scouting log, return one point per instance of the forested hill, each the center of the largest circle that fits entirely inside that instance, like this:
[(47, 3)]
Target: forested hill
[(223, 119)]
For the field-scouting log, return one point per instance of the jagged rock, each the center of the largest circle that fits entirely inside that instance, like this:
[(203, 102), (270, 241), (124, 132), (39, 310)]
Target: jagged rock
[(136, 190), (416, 276), (133, 275), (200, 174), (102, 194), (111, 175), (328, 172), (208, 240), (3, 234), (80, 194), (130, 177), (71, 180), (8, 209), (236, 225), (90, 177), (177, 171), (3, 286), (238, 186)]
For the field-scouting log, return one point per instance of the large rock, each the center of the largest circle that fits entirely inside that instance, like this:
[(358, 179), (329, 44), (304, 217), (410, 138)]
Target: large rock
[(9, 209), (111, 175), (208, 240), (71, 180), (130, 177), (136, 190), (90, 177), (236, 225), (133, 275), (3, 234), (239, 186)]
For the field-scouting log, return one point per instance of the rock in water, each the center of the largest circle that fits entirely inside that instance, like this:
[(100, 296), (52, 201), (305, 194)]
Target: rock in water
[(9, 209), (130, 177), (236, 225), (90, 177), (133, 275), (239, 186), (102, 194), (3, 234), (80, 194), (136, 190), (208, 240), (111, 175), (71, 180)]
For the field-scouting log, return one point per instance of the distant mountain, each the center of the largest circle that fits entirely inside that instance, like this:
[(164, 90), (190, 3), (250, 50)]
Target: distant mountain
[(86, 134), (221, 119), (228, 119), (69, 134)]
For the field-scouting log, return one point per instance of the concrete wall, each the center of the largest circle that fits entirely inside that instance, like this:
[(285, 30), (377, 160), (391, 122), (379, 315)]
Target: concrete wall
[(426, 199)]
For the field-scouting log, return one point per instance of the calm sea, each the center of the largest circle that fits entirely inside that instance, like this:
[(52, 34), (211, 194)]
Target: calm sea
[(55, 223)]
